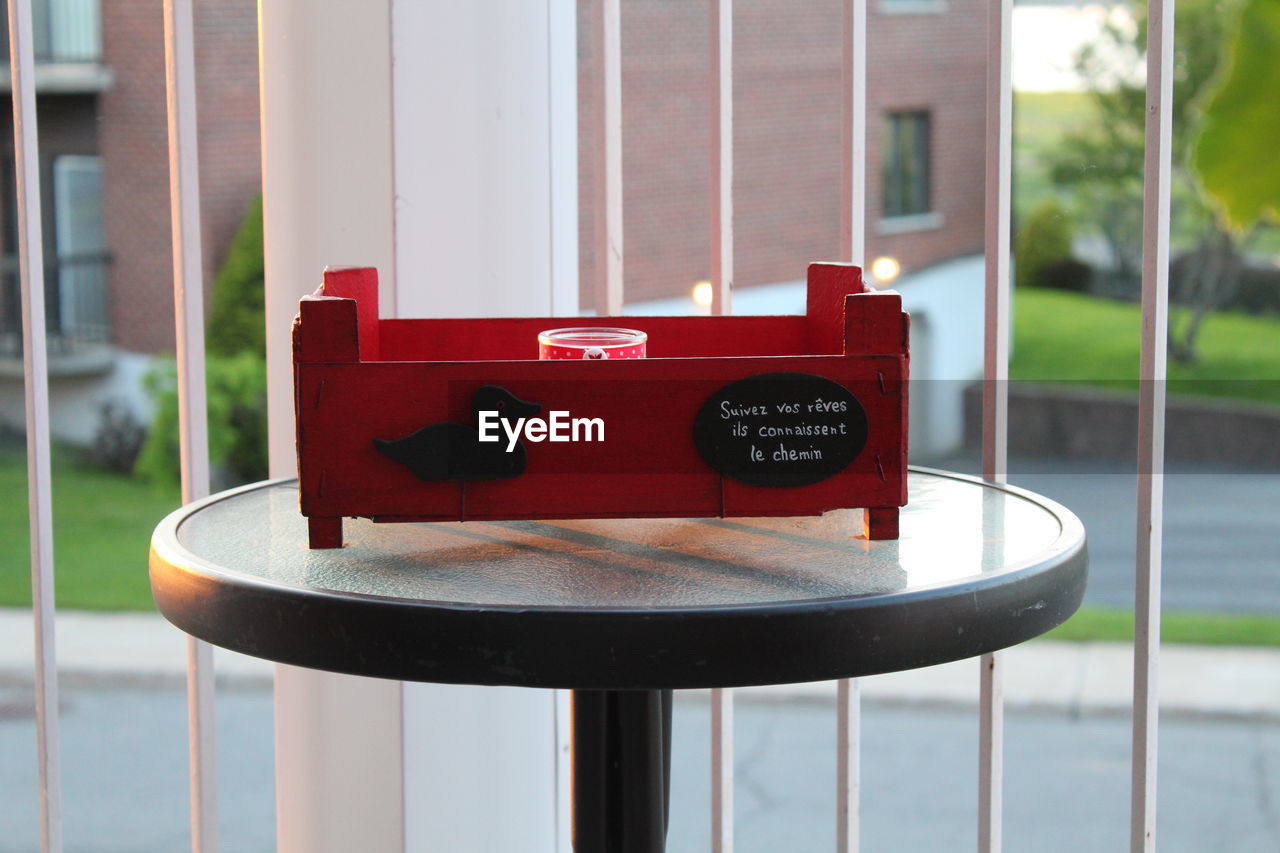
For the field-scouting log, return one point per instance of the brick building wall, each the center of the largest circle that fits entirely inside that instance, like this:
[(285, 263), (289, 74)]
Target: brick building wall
[(788, 117), (133, 134)]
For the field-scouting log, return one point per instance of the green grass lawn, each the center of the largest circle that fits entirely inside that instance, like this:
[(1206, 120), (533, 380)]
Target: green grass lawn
[(102, 528), (1211, 629), (1069, 337)]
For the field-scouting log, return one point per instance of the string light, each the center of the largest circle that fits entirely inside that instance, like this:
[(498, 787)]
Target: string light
[(885, 269), (703, 294)]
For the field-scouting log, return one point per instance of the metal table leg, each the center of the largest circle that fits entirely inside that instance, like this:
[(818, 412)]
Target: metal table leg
[(621, 770)]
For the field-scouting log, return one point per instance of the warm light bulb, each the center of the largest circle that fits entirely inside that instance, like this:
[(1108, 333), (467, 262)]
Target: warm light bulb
[(885, 269), (703, 294)]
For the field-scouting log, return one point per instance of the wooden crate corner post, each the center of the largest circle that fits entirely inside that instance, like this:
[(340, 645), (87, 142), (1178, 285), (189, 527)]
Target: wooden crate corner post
[(828, 285), (336, 324), (875, 325)]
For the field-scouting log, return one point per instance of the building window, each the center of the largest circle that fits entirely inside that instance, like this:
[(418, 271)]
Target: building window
[(81, 247), (912, 7), (906, 164), (63, 31), (75, 261)]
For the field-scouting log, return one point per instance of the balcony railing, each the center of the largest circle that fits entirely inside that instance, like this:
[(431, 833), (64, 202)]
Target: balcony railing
[(77, 313), (66, 31)]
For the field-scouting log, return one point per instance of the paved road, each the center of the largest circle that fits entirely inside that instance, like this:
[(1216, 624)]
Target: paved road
[(124, 771), (1067, 782), (1220, 547), (1067, 778)]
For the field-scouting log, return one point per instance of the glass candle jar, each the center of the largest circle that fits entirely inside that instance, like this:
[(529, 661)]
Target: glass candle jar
[(591, 343)]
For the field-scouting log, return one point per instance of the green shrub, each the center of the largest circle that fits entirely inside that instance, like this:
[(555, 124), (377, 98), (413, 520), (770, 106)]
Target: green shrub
[(236, 317), (237, 402), (1259, 291), (235, 370), (118, 439), (1042, 241), (1067, 274)]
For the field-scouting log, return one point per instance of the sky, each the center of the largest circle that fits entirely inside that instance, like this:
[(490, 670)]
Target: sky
[(1046, 37)]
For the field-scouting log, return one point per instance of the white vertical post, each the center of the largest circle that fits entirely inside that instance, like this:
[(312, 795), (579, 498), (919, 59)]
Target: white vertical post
[(1151, 412), (36, 378), (721, 30), (853, 209), (511, 146), (328, 198), (853, 202), (564, 770), (188, 298), (562, 41), (848, 764), (995, 422), (721, 156), (722, 771), (562, 108), (608, 160)]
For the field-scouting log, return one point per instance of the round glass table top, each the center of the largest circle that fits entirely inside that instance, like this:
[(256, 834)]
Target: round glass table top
[(624, 602)]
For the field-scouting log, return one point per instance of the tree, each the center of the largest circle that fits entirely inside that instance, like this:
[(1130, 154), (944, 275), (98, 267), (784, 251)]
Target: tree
[(1235, 153), (1102, 164)]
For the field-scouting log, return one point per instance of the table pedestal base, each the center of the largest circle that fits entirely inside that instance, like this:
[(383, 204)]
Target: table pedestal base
[(621, 770)]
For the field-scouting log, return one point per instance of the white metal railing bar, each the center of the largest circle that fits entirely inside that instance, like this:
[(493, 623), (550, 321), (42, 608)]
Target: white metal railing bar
[(188, 294), (853, 208), (564, 771), (608, 163), (995, 387), (36, 382), (721, 110), (990, 752), (848, 764), (995, 398), (721, 771), (721, 156), (1157, 170)]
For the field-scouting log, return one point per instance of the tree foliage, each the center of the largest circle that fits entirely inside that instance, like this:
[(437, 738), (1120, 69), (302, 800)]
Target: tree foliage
[(1235, 154), (1103, 164)]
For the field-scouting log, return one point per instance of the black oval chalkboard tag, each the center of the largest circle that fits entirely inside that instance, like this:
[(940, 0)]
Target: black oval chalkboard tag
[(781, 429)]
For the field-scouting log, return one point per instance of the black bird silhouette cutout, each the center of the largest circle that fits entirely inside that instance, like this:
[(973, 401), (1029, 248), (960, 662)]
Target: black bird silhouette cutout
[(453, 451)]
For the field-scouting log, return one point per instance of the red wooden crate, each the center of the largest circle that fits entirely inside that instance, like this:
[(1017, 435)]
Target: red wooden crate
[(358, 378)]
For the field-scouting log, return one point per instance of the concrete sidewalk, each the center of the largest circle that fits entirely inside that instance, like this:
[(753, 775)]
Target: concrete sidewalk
[(143, 649)]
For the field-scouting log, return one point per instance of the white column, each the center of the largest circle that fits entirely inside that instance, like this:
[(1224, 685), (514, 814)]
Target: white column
[(486, 180), (327, 179), (485, 140)]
